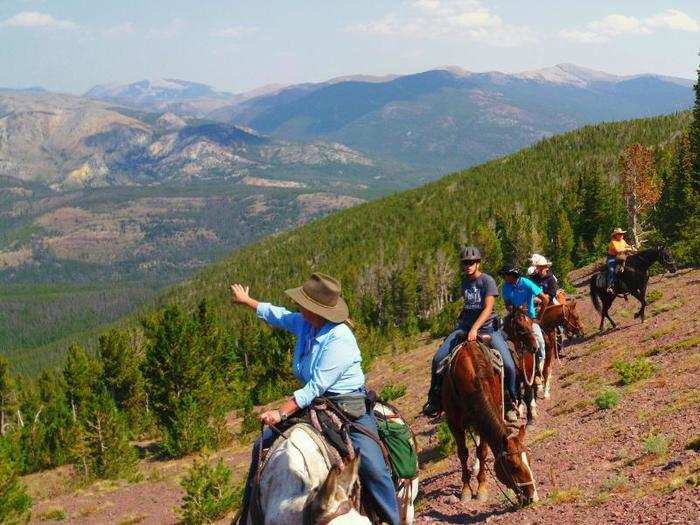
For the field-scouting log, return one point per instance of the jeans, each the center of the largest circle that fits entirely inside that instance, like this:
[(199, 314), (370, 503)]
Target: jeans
[(539, 339), (611, 263), (374, 473), (498, 342)]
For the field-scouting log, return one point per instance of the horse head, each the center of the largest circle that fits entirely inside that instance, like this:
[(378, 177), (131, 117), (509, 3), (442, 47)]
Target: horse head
[(666, 259), (572, 323), (330, 502), (513, 468), (521, 328)]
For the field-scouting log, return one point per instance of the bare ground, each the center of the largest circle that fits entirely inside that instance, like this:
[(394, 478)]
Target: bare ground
[(628, 464)]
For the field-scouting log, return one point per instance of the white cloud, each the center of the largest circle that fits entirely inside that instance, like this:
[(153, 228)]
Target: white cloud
[(611, 26), (34, 19), (170, 30), (127, 28), (454, 19), (673, 19), (235, 31)]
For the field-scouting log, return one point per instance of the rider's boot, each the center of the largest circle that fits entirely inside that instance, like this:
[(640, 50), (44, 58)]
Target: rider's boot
[(434, 406)]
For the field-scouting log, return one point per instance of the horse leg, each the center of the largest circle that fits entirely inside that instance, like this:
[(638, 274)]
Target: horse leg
[(641, 296), (548, 360), (482, 450), (530, 403), (606, 310), (463, 453)]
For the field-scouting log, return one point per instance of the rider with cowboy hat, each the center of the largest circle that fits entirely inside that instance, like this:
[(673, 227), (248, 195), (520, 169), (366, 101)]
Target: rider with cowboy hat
[(617, 250), (479, 291), (327, 362), (543, 277)]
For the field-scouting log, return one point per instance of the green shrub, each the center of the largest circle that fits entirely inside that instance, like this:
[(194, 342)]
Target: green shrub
[(14, 500), (446, 441), (656, 444), (693, 443), (633, 371), (654, 295), (607, 398), (53, 514), (209, 493), (391, 392)]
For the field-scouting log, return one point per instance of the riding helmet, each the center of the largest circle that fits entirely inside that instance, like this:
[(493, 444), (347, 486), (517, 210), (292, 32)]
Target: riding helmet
[(470, 253), (509, 269)]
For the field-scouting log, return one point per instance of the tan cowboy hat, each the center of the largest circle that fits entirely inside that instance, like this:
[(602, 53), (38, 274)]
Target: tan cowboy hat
[(618, 230), (321, 295)]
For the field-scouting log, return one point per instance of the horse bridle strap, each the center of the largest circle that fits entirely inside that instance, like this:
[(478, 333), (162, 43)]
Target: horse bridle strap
[(344, 508)]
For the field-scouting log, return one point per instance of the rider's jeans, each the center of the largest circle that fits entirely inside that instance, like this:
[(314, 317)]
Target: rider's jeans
[(611, 263), (374, 473), (498, 342), (539, 338)]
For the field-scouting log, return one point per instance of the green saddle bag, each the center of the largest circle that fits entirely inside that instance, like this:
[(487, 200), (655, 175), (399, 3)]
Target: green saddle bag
[(399, 442)]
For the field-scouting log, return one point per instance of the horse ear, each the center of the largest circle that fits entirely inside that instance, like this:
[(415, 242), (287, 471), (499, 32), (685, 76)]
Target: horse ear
[(330, 485), (348, 477), (521, 434)]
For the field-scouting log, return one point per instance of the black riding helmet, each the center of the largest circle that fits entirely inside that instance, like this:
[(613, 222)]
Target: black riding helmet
[(509, 269), (470, 253)]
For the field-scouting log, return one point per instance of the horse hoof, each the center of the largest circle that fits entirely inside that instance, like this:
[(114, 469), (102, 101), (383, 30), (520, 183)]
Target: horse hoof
[(530, 422), (481, 495), (547, 394)]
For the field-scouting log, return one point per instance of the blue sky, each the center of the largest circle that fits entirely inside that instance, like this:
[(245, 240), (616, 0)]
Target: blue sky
[(70, 45)]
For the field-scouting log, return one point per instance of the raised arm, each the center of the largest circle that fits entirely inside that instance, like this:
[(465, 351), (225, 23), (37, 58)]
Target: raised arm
[(239, 294), (275, 316)]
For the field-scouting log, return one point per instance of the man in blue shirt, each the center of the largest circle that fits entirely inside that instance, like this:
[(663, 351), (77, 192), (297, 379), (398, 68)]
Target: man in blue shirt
[(327, 362), (519, 291)]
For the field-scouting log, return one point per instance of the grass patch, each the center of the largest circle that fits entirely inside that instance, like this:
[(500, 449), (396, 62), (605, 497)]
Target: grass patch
[(693, 444), (446, 441), (607, 398), (391, 392), (655, 444), (131, 519), (558, 496), (653, 296), (665, 307), (633, 371), (52, 514), (600, 499), (546, 434), (568, 407), (615, 483)]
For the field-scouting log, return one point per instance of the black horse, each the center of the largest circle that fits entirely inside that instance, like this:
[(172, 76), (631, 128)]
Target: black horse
[(633, 280)]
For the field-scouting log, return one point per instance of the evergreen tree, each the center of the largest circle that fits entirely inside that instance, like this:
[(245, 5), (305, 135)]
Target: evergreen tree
[(8, 397), (183, 382), (561, 244), (14, 500), (81, 373), (102, 448), (486, 239), (121, 358)]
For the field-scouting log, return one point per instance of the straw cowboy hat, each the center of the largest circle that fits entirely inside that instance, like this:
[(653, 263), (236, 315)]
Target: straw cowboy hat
[(618, 230), (320, 294), (539, 260)]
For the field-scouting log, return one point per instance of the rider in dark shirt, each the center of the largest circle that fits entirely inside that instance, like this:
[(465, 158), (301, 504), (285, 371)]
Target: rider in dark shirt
[(543, 277)]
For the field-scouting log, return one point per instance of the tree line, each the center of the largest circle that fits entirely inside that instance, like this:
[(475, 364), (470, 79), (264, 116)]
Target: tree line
[(173, 372)]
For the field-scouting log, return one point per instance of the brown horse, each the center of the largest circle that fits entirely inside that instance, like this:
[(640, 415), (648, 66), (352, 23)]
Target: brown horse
[(472, 397), (518, 327), (563, 315)]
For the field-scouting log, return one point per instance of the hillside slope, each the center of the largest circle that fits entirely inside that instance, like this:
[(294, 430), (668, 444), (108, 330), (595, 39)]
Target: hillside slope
[(591, 465)]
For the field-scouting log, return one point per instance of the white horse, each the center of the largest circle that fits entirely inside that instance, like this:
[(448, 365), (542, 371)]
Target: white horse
[(299, 485)]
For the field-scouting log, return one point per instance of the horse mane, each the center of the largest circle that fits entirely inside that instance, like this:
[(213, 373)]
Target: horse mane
[(489, 422), (646, 257)]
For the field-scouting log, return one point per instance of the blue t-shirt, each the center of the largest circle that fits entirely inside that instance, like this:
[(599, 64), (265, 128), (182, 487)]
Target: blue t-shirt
[(522, 292), (474, 293)]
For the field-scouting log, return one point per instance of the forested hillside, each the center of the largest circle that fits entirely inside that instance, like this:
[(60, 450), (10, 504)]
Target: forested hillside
[(173, 371)]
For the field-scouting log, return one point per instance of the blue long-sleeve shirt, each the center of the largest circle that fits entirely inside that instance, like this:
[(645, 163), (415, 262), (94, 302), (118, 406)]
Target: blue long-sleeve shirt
[(325, 360)]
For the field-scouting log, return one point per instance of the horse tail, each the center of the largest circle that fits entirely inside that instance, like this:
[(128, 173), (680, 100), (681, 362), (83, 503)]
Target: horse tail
[(595, 298)]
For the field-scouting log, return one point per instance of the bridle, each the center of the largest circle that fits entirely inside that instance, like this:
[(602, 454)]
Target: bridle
[(569, 326), (522, 334)]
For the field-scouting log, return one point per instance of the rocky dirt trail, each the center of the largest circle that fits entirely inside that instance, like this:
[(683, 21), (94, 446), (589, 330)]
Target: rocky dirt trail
[(632, 463)]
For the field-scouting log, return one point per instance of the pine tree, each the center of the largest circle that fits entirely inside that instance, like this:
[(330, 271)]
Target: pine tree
[(102, 448), (81, 373), (561, 244), (183, 382), (486, 239), (14, 500), (8, 397), (121, 358)]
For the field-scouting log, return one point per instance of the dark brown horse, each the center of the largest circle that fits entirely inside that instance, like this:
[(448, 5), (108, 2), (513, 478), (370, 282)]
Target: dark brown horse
[(554, 316), (472, 396), (518, 327)]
